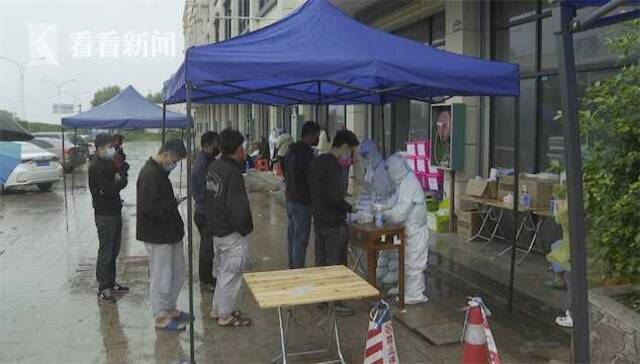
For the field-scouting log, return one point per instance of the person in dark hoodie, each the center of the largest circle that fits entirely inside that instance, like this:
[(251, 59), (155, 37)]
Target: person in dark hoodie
[(209, 150), (105, 185), (328, 206), (297, 168), (160, 227), (230, 222)]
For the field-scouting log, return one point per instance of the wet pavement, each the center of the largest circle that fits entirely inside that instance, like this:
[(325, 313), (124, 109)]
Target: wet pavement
[(49, 312)]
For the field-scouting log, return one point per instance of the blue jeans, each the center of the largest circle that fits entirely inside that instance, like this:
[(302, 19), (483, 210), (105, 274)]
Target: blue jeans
[(298, 230)]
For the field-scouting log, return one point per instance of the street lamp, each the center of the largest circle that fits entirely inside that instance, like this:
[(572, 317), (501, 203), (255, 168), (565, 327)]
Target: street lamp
[(76, 98), (58, 85), (21, 67)]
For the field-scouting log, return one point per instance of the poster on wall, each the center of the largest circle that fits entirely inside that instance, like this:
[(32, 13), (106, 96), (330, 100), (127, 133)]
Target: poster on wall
[(447, 136)]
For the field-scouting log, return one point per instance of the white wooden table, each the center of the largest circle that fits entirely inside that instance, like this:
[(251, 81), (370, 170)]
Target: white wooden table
[(291, 287)]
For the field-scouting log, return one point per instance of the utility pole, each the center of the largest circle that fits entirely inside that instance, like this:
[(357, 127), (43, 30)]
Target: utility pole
[(21, 68)]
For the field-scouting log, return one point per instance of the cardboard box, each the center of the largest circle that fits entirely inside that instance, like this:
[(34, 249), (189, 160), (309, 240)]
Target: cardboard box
[(468, 223), (540, 190), (482, 188)]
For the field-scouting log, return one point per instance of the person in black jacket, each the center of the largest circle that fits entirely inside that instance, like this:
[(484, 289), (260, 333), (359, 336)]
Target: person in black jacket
[(160, 227), (229, 220), (208, 152), (297, 168), (328, 206), (105, 185)]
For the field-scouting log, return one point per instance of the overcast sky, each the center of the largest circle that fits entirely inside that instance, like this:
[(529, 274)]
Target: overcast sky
[(96, 42)]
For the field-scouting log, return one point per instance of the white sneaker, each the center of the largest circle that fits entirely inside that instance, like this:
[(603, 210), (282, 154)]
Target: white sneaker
[(565, 321)]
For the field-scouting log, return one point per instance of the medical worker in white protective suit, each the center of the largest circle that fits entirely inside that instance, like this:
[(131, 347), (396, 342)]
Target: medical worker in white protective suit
[(408, 207), (376, 179)]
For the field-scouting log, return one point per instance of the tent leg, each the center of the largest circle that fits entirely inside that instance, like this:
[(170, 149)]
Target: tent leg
[(180, 181), (563, 14), (164, 121), (64, 183), (516, 198), (384, 139), (190, 221), (73, 173), (452, 201)]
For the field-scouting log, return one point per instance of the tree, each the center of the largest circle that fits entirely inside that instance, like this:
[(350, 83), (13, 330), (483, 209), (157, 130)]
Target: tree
[(156, 98), (104, 94), (610, 119)]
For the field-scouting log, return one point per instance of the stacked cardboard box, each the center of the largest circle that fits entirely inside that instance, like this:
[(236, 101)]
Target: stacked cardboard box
[(468, 223), (540, 190)]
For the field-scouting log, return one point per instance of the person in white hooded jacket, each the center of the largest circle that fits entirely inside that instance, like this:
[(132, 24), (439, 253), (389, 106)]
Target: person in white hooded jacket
[(408, 207), (376, 178)]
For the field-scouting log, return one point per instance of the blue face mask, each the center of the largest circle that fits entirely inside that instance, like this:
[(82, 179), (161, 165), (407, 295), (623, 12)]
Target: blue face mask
[(170, 167), (109, 153)]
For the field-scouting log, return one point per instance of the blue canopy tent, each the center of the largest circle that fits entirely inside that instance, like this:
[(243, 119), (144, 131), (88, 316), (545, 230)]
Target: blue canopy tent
[(127, 110), (318, 55)]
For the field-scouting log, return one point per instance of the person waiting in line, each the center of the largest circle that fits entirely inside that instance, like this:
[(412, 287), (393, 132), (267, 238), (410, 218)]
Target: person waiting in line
[(328, 207), (160, 226), (297, 168), (408, 207), (209, 150), (105, 185), (120, 159), (229, 219)]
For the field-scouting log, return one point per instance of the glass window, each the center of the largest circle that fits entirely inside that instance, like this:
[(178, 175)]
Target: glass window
[(418, 31), (437, 29), (337, 118), (502, 125), (506, 11), (591, 46), (419, 120), (548, 54), (400, 122), (517, 45), (551, 144)]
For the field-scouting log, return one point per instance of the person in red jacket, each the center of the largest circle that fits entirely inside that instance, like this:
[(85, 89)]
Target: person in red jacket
[(120, 159)]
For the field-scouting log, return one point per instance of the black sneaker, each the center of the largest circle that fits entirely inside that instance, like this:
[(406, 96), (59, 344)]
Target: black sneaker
[(118, 288), (105, 296)]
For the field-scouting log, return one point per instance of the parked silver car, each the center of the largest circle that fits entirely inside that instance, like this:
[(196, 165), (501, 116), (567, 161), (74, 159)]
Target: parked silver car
[(73, 156)]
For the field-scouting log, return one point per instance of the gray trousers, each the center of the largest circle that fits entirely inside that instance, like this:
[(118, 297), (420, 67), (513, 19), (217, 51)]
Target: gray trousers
[(232, 252), (166, 263), (109, 236)]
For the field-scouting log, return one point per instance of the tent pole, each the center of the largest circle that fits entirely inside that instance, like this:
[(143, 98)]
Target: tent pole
[(164, 121), (64, 182), (189, 221), (516, 199), (384, 143), (563, 14), (73, 173), (318, 104)]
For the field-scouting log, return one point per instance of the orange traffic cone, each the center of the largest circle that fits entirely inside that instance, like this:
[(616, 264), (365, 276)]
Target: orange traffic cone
[(475, 340)]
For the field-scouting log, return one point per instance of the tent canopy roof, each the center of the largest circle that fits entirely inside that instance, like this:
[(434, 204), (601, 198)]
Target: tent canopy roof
[(127, 110), (320, 55)]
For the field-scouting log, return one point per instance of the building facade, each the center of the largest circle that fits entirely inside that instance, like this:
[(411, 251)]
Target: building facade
[(514, 31)]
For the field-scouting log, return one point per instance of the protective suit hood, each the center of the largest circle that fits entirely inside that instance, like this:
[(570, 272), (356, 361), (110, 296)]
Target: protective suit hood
[(376, 178), (397, 167)]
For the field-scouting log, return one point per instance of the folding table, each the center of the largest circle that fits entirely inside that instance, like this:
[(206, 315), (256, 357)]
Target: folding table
[(287, 288), (371, 239)]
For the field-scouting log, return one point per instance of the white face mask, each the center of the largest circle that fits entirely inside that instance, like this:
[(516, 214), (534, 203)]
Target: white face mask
[(109, 153)]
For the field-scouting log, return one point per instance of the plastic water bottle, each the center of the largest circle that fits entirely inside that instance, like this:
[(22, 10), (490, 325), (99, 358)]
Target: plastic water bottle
[(526, 197), (379, 219)]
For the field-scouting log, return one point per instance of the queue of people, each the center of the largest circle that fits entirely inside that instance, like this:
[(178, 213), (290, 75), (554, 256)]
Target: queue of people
[(315, 196)]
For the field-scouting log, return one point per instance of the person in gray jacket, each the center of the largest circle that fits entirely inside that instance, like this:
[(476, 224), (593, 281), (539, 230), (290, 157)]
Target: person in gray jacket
[(229, 220)]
